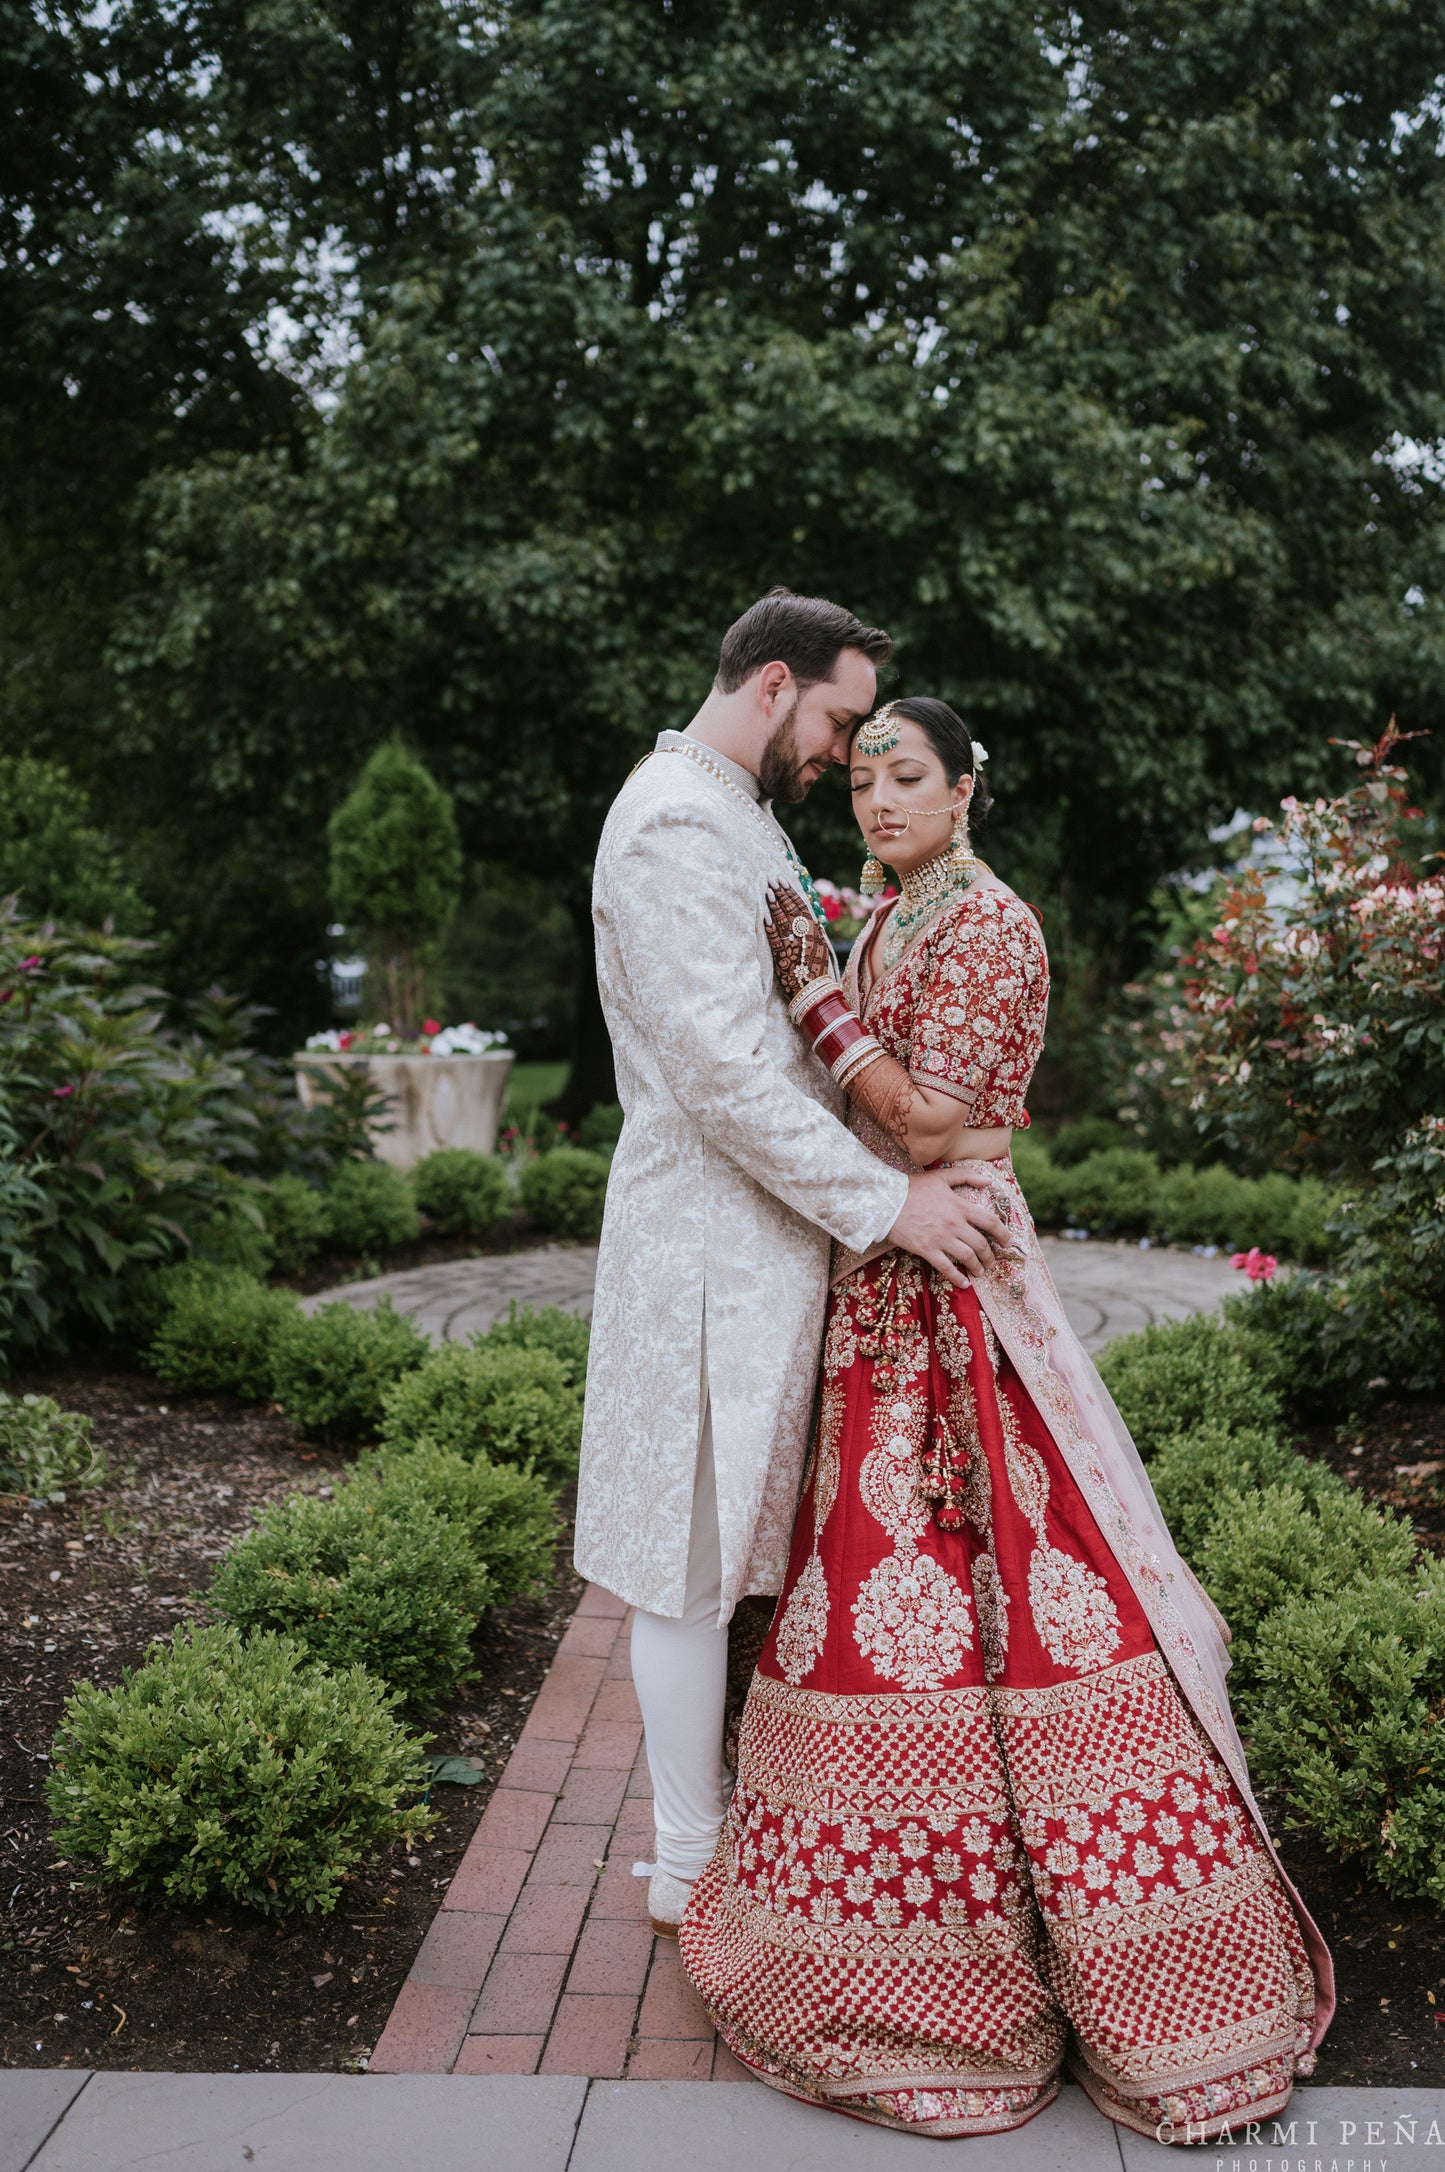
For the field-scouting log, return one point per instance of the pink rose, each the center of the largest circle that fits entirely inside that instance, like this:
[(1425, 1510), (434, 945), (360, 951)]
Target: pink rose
[(430, 1025), (1259, 1266)]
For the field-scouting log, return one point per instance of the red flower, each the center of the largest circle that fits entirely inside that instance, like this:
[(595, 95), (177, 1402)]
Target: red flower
[(430, 1025), (28, 965), (344, 1040), (62, 1093), (832, 908), (1259, 1266), (5, 994)]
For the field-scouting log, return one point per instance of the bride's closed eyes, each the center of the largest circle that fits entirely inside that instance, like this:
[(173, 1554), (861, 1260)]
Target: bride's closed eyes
[(862, 783)]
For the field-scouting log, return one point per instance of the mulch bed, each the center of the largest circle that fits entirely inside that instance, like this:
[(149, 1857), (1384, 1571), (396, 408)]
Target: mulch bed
[(90, 1982), (85, 1981)]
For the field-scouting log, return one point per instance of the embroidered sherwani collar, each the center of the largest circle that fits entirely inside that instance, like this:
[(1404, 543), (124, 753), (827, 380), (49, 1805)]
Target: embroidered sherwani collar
[(734, 771)]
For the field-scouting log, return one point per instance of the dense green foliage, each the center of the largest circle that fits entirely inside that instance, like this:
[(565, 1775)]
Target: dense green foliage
[(219, 1332), (232, 1772), (1121, 1190), (1348, 1725), (369, 1206), (546, 1327), (375, 1578), (297, 1222), (509, 1405), (1338, 1635), (334, 1367), (120, 1137), (45, 1451), (1166, 1378), (53, 855), (508, 1517), (564, 1191), (463, 1193), (1085, 349)]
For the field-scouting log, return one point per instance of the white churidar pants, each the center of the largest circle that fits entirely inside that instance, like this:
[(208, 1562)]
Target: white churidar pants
[(680, 1670)]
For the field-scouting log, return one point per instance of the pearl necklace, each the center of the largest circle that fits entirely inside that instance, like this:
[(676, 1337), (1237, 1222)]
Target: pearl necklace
[(926, 890), (698, 754)]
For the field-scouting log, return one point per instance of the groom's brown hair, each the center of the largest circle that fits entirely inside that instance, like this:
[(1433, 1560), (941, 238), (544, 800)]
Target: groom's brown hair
[(807, 633)]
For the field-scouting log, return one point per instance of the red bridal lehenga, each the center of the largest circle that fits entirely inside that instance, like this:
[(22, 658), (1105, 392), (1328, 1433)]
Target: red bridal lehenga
[(992, 1817)]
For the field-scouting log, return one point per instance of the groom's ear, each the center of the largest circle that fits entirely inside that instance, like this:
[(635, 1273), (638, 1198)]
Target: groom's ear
[(774, 680)]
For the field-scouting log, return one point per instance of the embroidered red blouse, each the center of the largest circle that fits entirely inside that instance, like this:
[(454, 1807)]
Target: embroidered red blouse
[(964, 1009)]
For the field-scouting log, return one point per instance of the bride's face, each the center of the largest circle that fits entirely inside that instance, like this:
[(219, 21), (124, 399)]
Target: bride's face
[(903, 802)]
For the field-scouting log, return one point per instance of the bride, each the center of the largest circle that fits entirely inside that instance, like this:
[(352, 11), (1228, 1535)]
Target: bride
[(992, 1814)]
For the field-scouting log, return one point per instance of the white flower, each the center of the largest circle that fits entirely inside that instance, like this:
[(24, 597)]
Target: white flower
[(330, 1041), (467, 1040), (980, 754)]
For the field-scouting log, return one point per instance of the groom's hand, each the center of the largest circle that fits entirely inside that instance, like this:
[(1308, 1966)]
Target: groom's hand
[(947, 1221)]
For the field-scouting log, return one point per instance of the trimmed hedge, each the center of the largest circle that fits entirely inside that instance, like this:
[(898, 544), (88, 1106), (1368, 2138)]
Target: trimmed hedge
[(1339, 1637), (333, 1369), (233, 1771), (219, 1332), (508, 1517), (1347, 1724), (509, 1405), (297, 1222), (1164, 1378), (369, 1207), (561, 1334), (375, 1578), (464, 1194), (564, 1191), (1120, 1190)]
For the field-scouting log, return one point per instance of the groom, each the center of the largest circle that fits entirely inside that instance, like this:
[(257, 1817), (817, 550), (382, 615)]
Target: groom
[(732, 1174)]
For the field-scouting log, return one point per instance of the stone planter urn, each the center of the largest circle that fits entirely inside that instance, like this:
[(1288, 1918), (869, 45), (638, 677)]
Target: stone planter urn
[(435, 1100)]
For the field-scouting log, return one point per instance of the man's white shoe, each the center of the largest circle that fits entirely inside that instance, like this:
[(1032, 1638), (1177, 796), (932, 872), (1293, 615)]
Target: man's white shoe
[(667, 1898)]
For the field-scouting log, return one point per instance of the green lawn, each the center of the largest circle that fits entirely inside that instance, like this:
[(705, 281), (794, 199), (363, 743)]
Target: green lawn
[(531, 1084)]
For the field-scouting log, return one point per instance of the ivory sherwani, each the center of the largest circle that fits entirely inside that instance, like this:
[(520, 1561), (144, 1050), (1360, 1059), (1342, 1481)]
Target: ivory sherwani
[(732, 1174)]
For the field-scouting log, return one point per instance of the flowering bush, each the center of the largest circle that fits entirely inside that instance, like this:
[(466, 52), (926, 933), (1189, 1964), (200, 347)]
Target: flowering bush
[(1307, 1026), (847, 911), (1314, 1027)]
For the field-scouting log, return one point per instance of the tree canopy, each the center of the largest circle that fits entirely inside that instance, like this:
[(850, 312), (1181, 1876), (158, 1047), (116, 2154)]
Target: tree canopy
[(1093, 351)]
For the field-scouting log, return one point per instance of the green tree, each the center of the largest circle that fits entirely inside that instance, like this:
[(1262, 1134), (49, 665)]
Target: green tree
[(396, 876), (1092, 350)]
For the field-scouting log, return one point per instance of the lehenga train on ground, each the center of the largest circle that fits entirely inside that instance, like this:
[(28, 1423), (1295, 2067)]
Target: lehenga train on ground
[(992, 1819)]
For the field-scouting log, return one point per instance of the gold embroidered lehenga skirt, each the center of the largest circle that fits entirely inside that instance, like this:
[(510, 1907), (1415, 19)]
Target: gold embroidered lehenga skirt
[(978, 1833)]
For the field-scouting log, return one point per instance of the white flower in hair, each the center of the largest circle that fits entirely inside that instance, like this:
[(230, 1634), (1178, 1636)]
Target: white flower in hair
[(980, 754)]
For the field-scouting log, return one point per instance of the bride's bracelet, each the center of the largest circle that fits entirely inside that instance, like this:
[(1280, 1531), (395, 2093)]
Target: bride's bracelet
[(839, 1037)]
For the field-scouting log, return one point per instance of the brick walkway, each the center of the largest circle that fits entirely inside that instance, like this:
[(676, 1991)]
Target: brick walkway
[(541, 1960)]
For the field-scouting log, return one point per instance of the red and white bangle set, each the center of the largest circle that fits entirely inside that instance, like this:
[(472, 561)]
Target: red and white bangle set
[(839, 1037)]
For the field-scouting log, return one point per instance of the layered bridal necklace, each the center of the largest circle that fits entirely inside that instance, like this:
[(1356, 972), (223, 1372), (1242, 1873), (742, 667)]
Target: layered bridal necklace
[(925, 892)]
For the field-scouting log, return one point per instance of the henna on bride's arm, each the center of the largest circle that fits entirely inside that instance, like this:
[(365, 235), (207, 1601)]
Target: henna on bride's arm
[(888, 1094)]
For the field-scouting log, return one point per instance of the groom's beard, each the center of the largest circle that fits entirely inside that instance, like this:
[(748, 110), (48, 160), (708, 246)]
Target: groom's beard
[(780, 772)]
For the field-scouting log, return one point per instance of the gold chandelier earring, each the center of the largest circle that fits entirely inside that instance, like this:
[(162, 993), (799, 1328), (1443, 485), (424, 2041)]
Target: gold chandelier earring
[(960, 850)]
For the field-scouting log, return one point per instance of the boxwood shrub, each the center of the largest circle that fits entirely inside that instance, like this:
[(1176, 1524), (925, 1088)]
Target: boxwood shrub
[(219, 1332), (334, 1366), (463, 1193), (1265, 1547), (508, 1517), (369, 1206), (509, 1405), (233, 1772), (563, 1191), (1347, 1724), (1165, 1378), (1192, 1472), (1113, 1189), (297, 1222), (370, 1579), (561, 1334)]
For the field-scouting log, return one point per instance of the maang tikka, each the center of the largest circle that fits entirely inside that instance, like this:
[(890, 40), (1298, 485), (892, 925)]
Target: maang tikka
[(879, 735)]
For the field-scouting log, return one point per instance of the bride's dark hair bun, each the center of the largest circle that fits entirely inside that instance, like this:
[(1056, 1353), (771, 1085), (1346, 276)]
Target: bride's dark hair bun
[(952, 742)]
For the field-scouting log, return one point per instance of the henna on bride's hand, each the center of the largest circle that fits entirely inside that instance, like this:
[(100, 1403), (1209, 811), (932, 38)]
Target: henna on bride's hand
[(801, 951)]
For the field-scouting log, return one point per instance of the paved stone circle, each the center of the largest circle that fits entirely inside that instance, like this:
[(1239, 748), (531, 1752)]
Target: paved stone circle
[(1107, 1289)]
